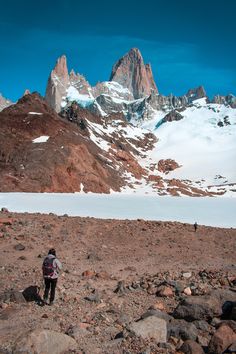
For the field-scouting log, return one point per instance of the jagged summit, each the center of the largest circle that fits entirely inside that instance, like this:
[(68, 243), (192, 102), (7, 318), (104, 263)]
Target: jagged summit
[(131, 72), (196, 93)]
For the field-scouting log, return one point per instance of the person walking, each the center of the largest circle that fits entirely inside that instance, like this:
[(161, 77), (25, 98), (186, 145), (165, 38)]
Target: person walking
[(195, 226), (51, 267)]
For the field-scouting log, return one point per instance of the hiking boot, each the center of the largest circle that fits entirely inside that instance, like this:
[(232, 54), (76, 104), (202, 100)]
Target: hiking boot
[(45, 300), (51, 303)]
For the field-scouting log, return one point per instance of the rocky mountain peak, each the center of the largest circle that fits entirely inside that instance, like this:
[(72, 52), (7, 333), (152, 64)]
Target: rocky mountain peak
[(131, 72), (196, 93), (61, 69), (57, 84)]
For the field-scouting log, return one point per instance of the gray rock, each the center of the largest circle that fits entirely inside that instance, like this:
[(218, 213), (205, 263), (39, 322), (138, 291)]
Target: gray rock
[(158, 314), (150, 327), (198, 308), (19, 247), (94, 297), (12, 296), (202, 325), (42, 341), (182, 329)]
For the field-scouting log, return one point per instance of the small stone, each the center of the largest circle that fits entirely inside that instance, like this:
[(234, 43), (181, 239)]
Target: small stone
[(158, 306), (88, 273), (165, 291), (187, 275), (187, 291), (19, 247), (44, 315)]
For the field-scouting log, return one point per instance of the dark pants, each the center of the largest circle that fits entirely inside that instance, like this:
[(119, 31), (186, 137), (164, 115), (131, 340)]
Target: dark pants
[(50, 285)]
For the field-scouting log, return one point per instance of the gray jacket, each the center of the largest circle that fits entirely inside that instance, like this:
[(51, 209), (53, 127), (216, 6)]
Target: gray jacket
[(57, 266)]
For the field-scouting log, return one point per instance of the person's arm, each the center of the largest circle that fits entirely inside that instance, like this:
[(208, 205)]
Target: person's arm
[(58, 263)]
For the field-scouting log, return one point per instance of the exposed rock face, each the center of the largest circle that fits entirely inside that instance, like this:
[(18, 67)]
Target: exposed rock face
[(131, 72), (62, 84), (57, 84), (196, 93), (226, 100), (79, 82), (4, 102), (172, 116), (167, 165)]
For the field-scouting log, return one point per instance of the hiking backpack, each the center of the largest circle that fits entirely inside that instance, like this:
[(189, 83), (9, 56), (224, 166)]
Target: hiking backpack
[(48, 268)]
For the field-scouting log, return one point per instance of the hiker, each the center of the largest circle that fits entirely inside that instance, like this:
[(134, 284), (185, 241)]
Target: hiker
[(51, 267), (195, 226)]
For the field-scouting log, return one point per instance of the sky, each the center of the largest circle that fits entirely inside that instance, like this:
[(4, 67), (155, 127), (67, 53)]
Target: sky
[(188, 43)]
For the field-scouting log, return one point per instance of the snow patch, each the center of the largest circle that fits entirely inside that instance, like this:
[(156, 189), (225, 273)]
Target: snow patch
[(41, 139), (35, 113)]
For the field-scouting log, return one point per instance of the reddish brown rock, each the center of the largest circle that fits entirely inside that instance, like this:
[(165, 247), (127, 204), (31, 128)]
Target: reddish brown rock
[(167, 165), (191, 347), (131, 72), (222, 339), (89, 273), (165, 291)]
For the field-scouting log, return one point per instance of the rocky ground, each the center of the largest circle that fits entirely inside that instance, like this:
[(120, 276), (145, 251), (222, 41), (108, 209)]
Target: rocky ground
[(126, 286)]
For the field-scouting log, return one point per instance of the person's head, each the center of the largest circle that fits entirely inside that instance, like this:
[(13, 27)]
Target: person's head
[(52, 251)]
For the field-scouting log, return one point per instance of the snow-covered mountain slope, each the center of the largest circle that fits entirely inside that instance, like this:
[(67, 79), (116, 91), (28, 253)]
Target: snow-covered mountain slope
[(203, 145), (4, 102)]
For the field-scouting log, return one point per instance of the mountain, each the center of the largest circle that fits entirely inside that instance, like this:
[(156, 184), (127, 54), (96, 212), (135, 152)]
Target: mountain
[(43, 152), (79, 151), (104, 139), (131, 72), (4, 102)]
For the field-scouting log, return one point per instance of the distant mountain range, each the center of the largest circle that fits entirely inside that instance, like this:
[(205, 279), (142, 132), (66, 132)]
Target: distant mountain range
[(121, 135)]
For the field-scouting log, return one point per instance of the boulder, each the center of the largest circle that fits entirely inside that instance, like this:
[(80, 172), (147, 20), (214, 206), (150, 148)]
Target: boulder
[(191, 347), (157, 313), (198, 308), (43, 341), (222, 339), (12, 296), (150, 327), (182, 329)]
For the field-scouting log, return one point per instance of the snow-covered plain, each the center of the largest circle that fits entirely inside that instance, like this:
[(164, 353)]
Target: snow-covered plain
[(218, 212)]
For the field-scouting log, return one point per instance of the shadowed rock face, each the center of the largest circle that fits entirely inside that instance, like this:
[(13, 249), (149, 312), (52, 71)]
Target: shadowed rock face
[(131, 72), (196, 93)]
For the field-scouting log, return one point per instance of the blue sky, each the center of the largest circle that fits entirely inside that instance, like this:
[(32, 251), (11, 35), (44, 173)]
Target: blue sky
[(187, 43)]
